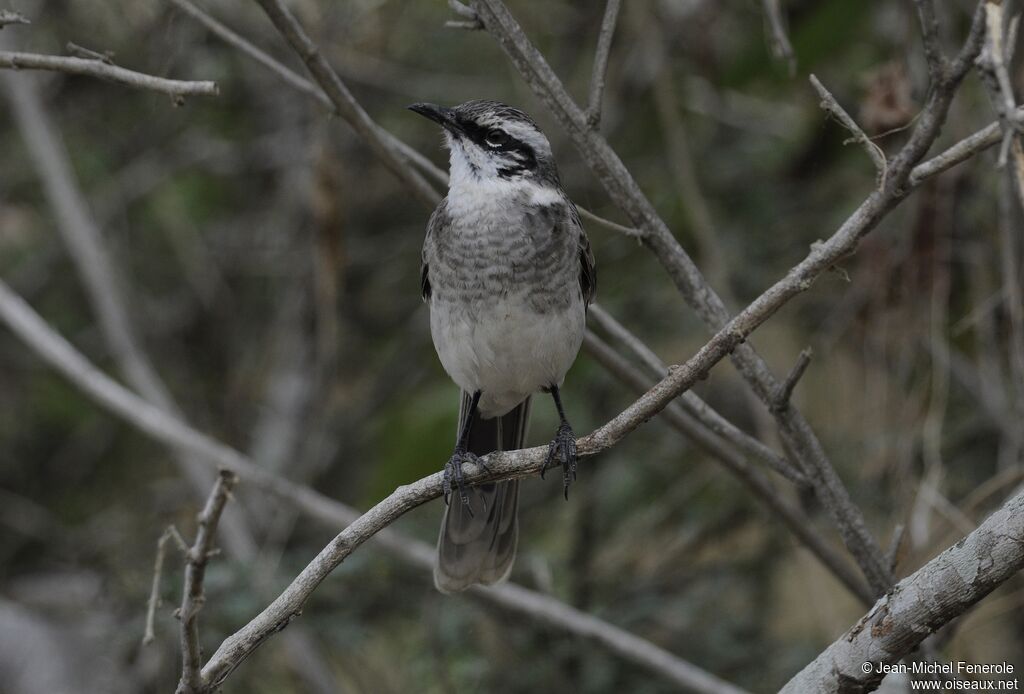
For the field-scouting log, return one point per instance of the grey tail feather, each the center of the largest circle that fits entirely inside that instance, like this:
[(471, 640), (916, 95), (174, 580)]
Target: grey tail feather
[(480, 548)]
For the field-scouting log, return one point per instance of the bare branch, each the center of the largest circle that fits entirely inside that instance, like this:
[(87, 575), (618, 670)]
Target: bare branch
[(958, 153), (105, 291), (792, 517), (170, 430), (176, 89), (785, 391), (623, 189), (302, 84), (609, 224), (893, 554), (930, 38), (920, 605), (600, 70), (77, 51), (466, 26), (192, 596), (996, 78), (782, 49), (557, 613), (7, 17), (829, 103), (154, 593), (692, 403), (344, 103), (463, 10)]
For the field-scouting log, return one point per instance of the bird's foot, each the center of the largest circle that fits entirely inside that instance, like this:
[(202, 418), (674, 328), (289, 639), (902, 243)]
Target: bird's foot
[(563, 447), (453, 474)]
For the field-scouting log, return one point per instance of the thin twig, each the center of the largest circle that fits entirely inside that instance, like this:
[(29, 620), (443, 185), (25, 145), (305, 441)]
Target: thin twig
[(996, 77), (7, 17), (782, 49), (154, 593), (785, 391), (463, 25), (600, 69), (177, 89), (469, 21), (960, 152), (609, 224), (192, 595), (930, 38), (345, 103), (829, 103), (463, 10), (106, 57), (892, 555)]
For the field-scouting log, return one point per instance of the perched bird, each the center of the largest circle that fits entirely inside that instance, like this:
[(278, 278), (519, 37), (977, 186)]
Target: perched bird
[(508, 274)]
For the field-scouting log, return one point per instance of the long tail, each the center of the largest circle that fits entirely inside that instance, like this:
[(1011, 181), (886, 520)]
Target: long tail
[(481, 547)]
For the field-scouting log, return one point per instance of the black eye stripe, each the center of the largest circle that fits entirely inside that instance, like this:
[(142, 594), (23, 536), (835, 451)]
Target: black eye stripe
[(526, 158)]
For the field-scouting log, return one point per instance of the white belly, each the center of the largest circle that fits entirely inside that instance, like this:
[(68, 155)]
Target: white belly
[(507, 351)]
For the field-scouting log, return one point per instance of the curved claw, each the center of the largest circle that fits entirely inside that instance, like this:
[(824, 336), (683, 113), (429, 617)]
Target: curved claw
[(552, 449), (453, 470), (563, 447)]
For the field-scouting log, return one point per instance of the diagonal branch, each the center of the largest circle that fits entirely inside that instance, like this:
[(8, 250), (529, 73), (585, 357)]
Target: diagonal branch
[(759, 485), (345, 103), (694, 405), (300, 83), (625, 192), (930, 38), (600, 71), (829, 103), (170, 430), (90, 67), (919, 605)]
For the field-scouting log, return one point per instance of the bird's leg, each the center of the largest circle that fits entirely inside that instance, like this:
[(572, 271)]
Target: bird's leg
[(453, 468), (562, 446)]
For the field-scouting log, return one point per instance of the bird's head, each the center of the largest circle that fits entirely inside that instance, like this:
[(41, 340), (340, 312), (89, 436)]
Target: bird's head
[(491, 142)]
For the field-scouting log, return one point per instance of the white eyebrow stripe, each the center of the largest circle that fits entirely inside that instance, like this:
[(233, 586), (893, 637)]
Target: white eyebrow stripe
[(528, 134)]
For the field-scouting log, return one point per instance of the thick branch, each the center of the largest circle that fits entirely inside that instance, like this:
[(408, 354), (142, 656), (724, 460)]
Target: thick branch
[(111, 73), (192, 596), (920, 605)]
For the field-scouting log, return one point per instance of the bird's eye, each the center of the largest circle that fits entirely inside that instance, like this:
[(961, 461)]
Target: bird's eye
[(497, 138)]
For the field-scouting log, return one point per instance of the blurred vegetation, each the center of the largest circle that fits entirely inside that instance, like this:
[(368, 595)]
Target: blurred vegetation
[(273, 271)]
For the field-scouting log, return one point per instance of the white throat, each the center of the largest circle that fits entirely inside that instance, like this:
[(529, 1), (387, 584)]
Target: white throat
[(475, 188)]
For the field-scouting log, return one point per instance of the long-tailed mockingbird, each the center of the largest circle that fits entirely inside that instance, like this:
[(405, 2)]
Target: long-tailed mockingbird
[(508, 274)]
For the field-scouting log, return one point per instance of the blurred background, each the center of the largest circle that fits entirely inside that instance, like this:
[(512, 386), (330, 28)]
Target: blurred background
[(271, 267)]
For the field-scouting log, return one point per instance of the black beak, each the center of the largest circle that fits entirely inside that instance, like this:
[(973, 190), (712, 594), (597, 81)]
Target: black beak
[(445, 117)]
